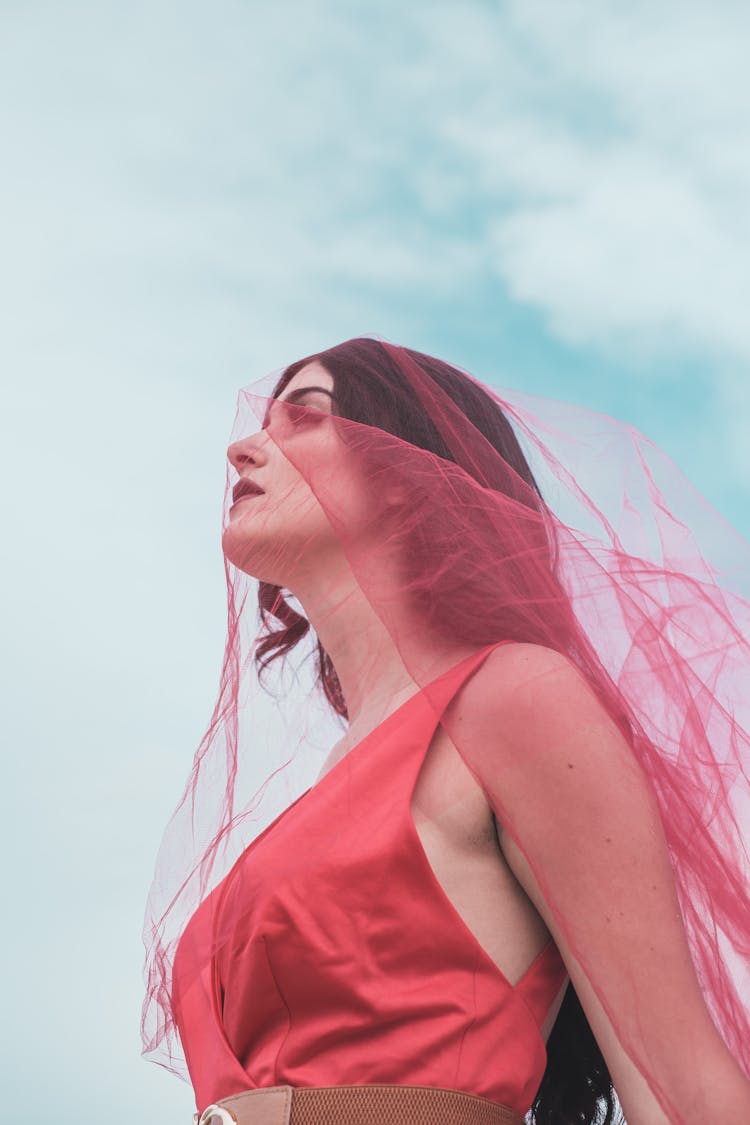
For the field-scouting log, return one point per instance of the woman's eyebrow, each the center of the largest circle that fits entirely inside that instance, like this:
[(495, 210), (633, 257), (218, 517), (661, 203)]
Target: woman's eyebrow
[(293, 397)]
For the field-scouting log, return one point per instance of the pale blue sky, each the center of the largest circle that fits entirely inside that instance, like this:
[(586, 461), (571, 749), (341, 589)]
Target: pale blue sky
[(553, 194)]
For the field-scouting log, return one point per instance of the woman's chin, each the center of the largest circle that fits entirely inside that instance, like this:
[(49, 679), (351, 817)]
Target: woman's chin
[(240, 551), (257, 560)]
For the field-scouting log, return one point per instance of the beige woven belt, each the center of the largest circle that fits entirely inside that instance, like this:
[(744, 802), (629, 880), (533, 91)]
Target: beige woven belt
[(357, 1105)]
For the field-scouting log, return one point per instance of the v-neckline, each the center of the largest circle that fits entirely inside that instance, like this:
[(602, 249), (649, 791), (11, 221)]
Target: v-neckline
[(357, 748), (394, 714)]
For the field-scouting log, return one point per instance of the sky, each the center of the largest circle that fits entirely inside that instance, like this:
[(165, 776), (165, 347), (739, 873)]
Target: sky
[(554, 195)]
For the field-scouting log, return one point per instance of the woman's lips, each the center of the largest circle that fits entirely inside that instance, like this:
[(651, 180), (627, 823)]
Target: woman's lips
[(245, 488)]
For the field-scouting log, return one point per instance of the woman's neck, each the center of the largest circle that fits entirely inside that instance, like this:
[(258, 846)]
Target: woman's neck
[(380, 658)]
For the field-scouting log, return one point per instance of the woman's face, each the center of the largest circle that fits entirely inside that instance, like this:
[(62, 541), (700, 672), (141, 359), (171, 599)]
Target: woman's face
[(283, 532)]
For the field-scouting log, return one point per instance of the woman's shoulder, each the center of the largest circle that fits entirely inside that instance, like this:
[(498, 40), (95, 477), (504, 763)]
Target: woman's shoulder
[(532, 696), (523, 659), (520, 674)]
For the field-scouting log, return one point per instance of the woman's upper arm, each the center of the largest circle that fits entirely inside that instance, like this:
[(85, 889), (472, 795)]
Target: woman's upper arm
[(580, 827), (633, 1090)]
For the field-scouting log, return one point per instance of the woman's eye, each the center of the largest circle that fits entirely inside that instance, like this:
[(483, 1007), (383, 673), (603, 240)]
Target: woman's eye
[(307, 418)]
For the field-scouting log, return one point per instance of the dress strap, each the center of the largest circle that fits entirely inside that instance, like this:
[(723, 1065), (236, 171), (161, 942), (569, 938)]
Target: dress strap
[(441, 691)]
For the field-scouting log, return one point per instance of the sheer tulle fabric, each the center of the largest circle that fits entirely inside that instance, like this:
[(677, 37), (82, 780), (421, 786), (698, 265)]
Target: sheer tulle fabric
[(622, 572)]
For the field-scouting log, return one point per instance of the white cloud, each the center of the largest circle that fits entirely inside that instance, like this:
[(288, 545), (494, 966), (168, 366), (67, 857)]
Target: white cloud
[(614, 173), (638, 258)]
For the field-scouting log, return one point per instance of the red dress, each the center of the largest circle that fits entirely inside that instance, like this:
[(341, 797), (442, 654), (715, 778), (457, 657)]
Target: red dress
[(348, 964)]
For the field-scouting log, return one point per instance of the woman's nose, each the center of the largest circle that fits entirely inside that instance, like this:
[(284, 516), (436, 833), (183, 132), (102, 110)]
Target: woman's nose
[(247, 451)]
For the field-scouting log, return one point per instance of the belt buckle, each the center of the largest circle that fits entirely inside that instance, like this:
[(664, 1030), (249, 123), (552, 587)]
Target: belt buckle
[(215, 1115)]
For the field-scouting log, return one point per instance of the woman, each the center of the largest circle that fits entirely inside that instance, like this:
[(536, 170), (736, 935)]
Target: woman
[(528, 832)]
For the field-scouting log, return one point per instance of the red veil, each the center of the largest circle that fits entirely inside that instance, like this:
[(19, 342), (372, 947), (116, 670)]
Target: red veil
[(478, 518)]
